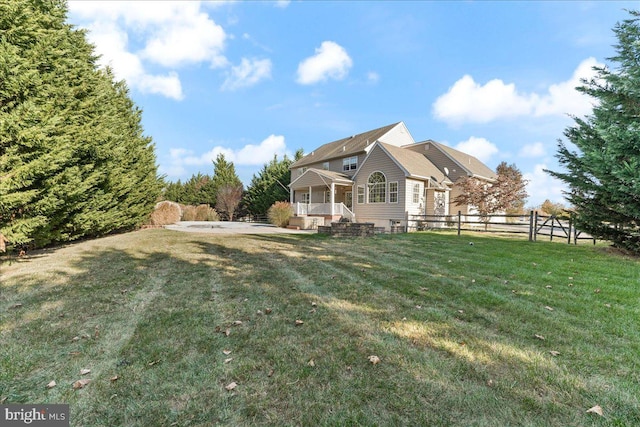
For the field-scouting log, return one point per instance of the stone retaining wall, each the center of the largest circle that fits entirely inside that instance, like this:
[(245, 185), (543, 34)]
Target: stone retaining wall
[(350, 229)]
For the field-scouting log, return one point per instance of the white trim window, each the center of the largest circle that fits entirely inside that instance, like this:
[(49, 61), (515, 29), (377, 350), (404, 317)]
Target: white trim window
[(350, 164), (325, 166), (416, 193), (393, 192), (327, 196), (304, 198), (360, 194), (377, 185)]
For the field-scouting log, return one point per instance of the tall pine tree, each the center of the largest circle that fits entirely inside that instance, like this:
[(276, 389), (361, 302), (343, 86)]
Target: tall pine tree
[(603, 174), (270, 185), (73, 158)]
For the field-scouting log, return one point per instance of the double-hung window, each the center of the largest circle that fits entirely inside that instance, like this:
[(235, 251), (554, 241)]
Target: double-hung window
[(350, 164)]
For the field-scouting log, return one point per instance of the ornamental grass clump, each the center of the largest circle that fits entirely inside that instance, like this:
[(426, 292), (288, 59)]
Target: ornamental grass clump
[(279, 214), (165, 213)]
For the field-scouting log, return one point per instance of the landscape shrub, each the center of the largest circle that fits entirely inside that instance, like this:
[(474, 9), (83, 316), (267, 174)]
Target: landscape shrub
[(202, 212), (279, 214), (165, 213)]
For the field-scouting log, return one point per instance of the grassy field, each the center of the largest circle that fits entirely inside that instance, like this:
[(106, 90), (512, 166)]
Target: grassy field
[(503, 332)]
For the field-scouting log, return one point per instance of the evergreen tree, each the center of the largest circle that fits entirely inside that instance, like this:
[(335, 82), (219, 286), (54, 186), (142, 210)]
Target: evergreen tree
[(270, 185), (224, 174), (603, 174), (73, 159)]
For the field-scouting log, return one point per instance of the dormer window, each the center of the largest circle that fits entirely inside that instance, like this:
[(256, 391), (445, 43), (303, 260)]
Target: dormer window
[(350, 164)]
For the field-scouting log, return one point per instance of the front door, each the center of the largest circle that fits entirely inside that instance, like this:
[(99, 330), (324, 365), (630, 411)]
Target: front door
[(348, 199)]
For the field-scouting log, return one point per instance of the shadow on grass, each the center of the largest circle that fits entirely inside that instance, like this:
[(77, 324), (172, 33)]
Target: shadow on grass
[(165, 313)]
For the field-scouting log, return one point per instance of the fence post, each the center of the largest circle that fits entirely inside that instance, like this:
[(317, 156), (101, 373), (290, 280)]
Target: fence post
[(459, 219), (531, 226), (535, 226), (569, 232), (553, 221)]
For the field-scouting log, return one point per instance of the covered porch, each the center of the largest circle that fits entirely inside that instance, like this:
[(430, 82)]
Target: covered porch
[(322, 193)]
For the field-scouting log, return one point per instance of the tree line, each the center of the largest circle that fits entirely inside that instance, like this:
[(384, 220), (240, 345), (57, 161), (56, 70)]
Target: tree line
[(224, 191)]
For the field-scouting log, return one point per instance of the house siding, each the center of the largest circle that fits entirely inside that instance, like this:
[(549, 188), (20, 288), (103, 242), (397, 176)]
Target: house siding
[(381, 213), (397, 136), (335, 165), (414, 208)]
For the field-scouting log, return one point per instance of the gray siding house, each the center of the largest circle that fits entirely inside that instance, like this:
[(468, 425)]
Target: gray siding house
[(381, 176)]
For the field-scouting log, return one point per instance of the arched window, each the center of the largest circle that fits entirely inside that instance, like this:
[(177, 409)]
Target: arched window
[(377, 185)]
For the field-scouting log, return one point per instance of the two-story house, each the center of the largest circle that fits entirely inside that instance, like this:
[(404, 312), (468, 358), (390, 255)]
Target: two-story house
[(381, 176)]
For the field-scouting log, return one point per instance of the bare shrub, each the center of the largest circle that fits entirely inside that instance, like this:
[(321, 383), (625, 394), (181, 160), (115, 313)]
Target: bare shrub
[(279, 213), (165, 213)]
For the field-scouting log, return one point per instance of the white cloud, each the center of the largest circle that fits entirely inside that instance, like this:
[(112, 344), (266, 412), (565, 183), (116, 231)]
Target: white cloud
[(331, 61), (480, 148), (249, 155), (532, 150), (282, 3), (469, 101), (373, 77), (248, 73), (543, 186), (169, 33)]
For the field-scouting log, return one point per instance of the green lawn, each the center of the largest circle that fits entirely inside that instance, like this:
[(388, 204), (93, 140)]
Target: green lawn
[(458, 329)]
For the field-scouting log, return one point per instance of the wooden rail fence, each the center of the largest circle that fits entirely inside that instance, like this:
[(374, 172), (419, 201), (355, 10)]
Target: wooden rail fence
[(532, 225)]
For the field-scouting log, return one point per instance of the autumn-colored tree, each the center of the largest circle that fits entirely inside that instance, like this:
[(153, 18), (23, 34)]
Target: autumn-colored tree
[(506, 192), (553, 209)]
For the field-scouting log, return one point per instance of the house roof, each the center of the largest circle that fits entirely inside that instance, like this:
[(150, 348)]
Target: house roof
[(416, 165), (329, 176), (471, 164), (344, 147)]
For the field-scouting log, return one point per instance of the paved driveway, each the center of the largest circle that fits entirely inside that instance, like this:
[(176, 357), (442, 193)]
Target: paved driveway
[(226, 227)]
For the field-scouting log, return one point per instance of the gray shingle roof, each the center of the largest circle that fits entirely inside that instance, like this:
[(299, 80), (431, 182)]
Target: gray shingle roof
[(416, 164), (352, 145), (467, 161)]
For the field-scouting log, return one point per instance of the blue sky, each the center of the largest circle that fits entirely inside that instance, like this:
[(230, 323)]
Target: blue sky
[(258, 78)]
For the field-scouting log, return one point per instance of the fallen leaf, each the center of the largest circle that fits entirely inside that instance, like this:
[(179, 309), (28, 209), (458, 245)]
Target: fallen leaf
[(4, 399), (76, 338), (259, 312), (374, 360), (299, 322), (18, 305), (237, 322), (461, 311), (490, 383), (228, 360), (418, 307), (311, 363), (608, 305), (74, 353), (548, 308), (313, 310), (570, 278), (597, 291), (227, 332), (554, 353), (114, 378), (267, 311), (570, 284), (423, 289), (52, 384), (231, 386), (596, 410), (85, 371), (313, 304), (81, 383), (226, 352), (155, 362), (540, 337), (404, 319), (473, 280), (548, 286), (270, 374)]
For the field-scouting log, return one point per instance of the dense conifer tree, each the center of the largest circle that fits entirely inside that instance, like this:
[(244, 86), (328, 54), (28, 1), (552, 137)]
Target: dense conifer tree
[(73, 158), (603, 174)]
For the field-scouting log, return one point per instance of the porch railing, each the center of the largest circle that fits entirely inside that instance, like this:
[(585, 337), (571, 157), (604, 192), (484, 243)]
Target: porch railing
[(322, 209)]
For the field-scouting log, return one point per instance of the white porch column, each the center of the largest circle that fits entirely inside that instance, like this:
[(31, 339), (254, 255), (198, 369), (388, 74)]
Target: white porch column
[(291, 194), (309, 195), (332, 198)]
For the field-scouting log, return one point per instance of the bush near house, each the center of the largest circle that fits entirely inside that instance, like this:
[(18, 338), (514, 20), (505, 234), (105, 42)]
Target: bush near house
[(166, 213), (279, 214), (202, 212)]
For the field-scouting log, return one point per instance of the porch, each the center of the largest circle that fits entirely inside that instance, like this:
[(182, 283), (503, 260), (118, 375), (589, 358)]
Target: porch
[(322, 193)]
